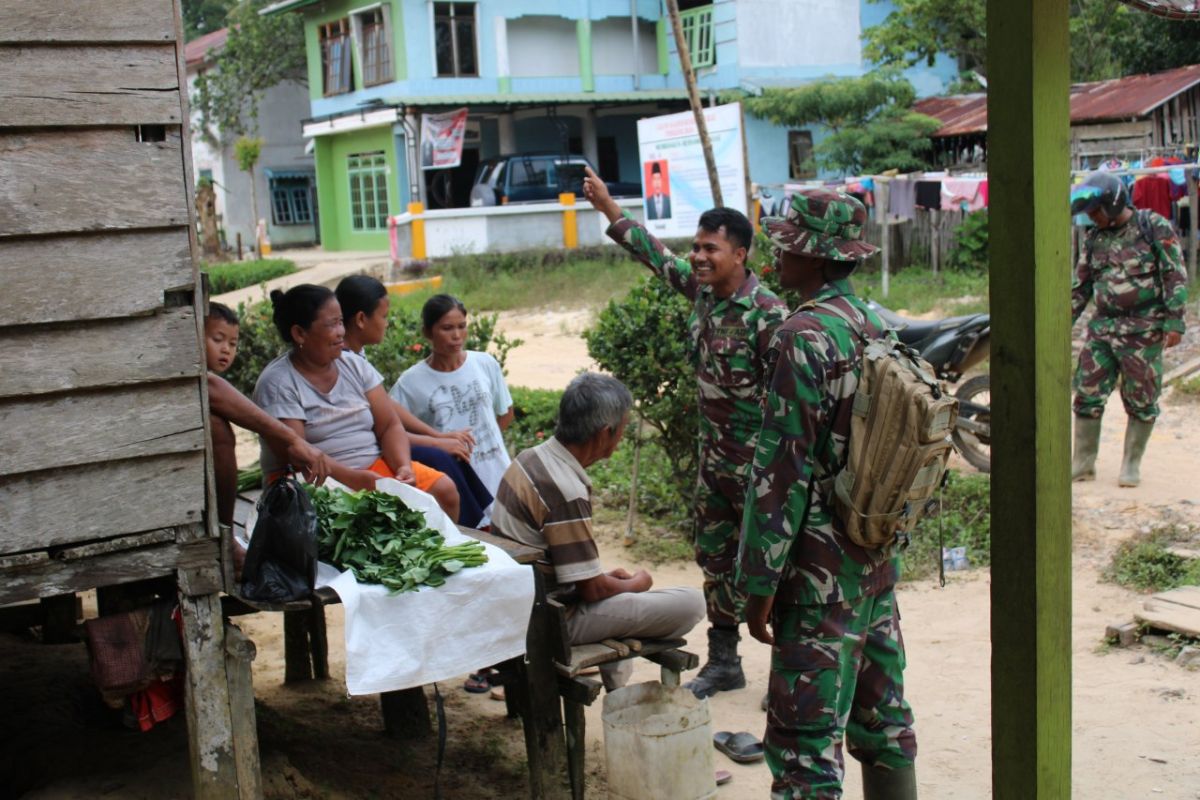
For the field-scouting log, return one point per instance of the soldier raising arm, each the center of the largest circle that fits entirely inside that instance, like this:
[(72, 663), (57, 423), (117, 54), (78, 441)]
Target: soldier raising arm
[(730, 329)]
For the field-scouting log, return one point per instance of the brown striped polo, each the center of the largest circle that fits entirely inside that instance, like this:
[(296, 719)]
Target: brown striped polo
[(545, 501)]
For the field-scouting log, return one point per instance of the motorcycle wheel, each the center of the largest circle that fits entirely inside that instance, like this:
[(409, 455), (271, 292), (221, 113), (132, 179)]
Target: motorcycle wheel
[(976, 448)]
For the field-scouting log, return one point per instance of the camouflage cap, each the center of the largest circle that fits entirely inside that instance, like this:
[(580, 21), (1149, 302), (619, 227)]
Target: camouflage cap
[(822, 222)]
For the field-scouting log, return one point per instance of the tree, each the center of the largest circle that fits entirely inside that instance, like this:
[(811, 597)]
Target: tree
[(921, 30), (1154, 44), (204, 16), (247, 151), (871, 125), (260, 53)]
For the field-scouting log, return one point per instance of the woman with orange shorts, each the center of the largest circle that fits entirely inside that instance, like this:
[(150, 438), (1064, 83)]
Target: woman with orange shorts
[(336, 401)]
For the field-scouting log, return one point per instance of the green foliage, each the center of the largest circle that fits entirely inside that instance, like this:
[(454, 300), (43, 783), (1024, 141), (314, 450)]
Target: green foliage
[(872, 127), (247, 150), (965, 520), (259, 53), (970, 253), (643, 341), (658, 497), (1146, 43), (381, 540), (1146, 563), (921, 30), (204, 16), (535, 413), (1188, 387), (229, 276), (402, 346)]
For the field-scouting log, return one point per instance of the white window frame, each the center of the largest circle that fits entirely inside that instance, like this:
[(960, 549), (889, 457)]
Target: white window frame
[(356, 36)]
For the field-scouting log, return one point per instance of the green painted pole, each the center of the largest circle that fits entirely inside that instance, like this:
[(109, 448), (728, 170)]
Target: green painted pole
[(583, 32), (1028, 172)]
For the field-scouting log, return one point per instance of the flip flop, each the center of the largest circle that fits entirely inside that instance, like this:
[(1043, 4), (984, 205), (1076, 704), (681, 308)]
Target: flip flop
[(477, 683), (766, 701), (723, 777), (742, 747), (497, 693)]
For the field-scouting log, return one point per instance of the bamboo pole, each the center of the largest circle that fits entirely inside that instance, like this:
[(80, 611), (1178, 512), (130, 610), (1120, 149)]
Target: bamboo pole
[(1193, 230), (689, 80)]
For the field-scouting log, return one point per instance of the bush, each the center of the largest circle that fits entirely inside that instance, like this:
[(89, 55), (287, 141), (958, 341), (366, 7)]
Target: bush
[(402, 346), (643, 341), (965, 520), (234, 275), (1146, 562), (970, 253), (535, 413)]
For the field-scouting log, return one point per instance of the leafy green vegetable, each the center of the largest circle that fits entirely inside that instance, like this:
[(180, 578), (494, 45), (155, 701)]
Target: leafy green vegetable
[(381, 540), (250, 478)]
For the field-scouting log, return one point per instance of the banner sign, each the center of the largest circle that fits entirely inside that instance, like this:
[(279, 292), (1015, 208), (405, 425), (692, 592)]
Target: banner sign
[(675, 183), (442, 139)]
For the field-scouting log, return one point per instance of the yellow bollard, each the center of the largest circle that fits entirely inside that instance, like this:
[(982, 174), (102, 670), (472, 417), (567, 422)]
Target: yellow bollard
[(417, 229), (570, 227), (755, 212)]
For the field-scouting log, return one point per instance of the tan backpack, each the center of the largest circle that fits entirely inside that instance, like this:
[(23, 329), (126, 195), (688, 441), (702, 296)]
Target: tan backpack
[(899, 443)]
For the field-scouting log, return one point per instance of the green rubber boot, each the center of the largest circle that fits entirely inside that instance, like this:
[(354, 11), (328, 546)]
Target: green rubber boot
[(1087, 444), (1137, 434), (881, 783)]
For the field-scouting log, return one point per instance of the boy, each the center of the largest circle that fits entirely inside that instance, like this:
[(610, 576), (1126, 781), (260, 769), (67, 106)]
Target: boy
[(227, 405)]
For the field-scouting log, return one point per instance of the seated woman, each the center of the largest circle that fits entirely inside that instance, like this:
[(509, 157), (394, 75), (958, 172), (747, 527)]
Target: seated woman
[(336, 401), (365, 305), (455, 388)]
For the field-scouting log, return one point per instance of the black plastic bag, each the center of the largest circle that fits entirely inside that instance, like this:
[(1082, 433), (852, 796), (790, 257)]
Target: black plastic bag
[(281, 563)]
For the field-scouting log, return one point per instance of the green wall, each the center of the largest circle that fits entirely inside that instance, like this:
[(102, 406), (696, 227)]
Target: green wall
[(333, 187), (333, 11)]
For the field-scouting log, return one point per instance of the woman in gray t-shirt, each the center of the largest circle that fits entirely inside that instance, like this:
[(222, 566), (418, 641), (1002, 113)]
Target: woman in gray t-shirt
[(335, 401)]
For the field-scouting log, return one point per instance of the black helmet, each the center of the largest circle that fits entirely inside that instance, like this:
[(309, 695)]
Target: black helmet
[(1101, 190)]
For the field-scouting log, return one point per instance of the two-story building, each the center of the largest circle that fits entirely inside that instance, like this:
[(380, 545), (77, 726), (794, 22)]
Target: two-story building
[(569, 77)]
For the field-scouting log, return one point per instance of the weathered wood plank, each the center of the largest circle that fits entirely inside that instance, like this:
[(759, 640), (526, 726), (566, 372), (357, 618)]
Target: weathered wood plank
[(100, 500), (59, 21), (117, 353), (54, 577), (405, 713), (69, 430), (1170, 616), (61, 181), (209, 719), (95, 277), (239, 652), (117, 545), (1188, 596), (103, 85)]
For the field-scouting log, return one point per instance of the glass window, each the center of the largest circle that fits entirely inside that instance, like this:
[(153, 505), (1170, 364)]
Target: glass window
[(291, 201), (527, 172), (335, 57), (800, 152), (368, 191), (454, 39), (376, 54)]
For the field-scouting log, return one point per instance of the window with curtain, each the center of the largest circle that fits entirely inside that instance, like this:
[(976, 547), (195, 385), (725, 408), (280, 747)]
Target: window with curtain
[(335, 57), (376, 54)]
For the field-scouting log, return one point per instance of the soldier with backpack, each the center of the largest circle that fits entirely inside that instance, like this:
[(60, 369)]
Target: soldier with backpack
[(1132, 266), (818, 564)]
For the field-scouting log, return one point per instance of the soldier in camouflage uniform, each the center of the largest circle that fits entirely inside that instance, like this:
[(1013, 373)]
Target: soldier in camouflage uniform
[(1133, 267), (732, 320), (837, 658)]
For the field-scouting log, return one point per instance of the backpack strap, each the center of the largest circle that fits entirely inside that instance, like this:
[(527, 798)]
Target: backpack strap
[(1145, 225)]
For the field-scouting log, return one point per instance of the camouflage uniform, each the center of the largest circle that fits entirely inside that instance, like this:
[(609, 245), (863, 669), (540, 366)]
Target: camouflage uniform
[(838, 659), (1140, 292), (729, 338)]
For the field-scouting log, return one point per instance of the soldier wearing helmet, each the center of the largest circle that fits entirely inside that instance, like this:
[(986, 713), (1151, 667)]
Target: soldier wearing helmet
[(1132, 267), (837, 660)]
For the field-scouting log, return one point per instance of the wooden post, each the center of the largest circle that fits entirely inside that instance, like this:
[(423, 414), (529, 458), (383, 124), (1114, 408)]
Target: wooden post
[(541, 709), (935, 239), (405, 713), (1028, 163), (1194, 232), (881, 204), (239, 652), (689, 80)]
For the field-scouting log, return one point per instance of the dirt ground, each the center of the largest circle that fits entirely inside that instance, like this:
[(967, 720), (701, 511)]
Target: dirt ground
[(1136, 714)]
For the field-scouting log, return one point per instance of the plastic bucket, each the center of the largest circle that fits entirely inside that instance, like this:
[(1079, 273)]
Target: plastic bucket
[(657, 743)]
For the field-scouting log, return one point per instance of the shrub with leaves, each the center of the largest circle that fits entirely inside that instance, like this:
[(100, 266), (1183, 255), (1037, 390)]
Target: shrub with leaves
[(402, 346), (535, 413), (643, 341), (970, 253)]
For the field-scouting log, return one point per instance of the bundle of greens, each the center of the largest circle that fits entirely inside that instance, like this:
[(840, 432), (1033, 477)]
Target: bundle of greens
[(383, 541)]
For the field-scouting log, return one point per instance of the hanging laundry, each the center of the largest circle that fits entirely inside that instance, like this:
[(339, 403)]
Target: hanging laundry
[(983, 192), (961, 194), (902, 198), (1153, 192), (929, 194)]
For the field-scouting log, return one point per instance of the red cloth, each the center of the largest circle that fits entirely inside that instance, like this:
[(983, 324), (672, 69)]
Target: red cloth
[(158, 702), (1153, 192)]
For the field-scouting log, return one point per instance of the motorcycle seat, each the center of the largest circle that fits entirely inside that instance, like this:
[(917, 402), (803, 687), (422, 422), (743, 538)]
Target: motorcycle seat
[(911, 331)]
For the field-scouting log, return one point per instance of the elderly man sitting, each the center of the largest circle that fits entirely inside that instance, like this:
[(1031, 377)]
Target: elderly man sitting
[(545, 501)]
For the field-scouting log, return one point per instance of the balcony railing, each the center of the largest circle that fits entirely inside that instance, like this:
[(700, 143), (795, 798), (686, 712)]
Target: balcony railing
[(697, 24)]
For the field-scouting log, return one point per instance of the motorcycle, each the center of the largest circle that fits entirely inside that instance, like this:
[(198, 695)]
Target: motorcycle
[(952, 347)]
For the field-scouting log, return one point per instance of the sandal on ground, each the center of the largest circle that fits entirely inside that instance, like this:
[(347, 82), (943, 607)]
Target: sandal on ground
[(766, 701), (742, 747), (497, 693), (723, 777), (478, 682)]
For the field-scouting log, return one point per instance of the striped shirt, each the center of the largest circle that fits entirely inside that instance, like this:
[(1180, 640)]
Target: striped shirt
[(545, 501)]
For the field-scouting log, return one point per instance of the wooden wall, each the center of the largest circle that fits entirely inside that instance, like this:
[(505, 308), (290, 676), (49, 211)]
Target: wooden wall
[(103, 427)]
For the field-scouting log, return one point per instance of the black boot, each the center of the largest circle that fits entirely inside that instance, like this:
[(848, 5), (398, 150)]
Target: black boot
[(881, 783), (724, 668)]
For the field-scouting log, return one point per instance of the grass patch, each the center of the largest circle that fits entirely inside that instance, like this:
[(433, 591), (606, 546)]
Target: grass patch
[(1151, 562), (1188, 387), (965, 519), (916, 290), (230, 276)]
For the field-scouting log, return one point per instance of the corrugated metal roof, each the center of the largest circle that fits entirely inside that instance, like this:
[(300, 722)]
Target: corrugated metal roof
[(1131, 97), (539, 98), (195, 51)]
